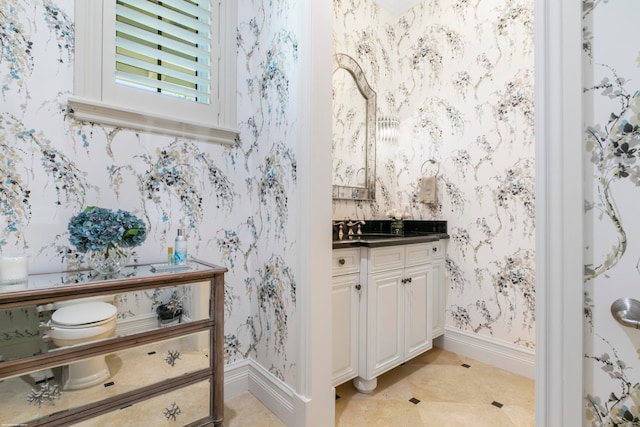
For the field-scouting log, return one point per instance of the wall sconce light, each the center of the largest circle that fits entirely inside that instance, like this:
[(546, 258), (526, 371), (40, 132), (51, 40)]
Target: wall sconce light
[(388, 129)]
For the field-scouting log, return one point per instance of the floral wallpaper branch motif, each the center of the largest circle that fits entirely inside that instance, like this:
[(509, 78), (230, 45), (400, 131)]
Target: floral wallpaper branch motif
[(615, 149), (515, 21), (275, 291), (274, 74), (16, 45), (277, 282), (516, 192), (457, 278), (513, 282), (621, 408), (176, 170), (272, 184), (515, 100), (20, 144), (61, 25)]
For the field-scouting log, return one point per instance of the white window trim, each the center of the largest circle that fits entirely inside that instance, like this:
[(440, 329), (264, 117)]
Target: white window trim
[(172, 115)]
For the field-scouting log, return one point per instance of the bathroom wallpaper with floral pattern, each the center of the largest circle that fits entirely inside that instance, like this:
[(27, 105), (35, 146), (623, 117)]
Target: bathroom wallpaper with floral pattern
[(235, 202), (611, 64), (459, 77)]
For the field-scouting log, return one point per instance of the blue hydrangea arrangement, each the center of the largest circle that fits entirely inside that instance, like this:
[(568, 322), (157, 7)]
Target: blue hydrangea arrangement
[(97, 229)]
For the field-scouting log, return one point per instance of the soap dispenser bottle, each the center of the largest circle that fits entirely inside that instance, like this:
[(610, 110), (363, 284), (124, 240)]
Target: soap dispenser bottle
[(180, 249)]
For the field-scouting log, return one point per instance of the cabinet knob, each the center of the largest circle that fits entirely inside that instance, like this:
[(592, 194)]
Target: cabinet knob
[(435, 249), (409, 280), (341, 261), (358, 287)]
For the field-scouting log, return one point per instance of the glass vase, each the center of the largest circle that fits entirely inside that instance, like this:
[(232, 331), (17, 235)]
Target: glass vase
[(397, 226), (110, 260)]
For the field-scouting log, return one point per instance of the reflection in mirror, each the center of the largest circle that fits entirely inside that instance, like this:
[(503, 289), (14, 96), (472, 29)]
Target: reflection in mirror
[(354, 126), (130, 369), (38, 329)]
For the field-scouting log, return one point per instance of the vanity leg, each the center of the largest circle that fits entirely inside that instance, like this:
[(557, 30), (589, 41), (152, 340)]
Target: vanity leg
[(365, 386)]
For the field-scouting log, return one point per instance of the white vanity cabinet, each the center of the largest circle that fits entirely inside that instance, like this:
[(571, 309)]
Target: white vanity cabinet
[(345, 293), (439, 290), (396, 322), (388, 305)]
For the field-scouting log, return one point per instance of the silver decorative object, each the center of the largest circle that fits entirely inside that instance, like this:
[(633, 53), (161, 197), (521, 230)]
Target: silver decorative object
[(173, 412), (48, 392), (172, 357)]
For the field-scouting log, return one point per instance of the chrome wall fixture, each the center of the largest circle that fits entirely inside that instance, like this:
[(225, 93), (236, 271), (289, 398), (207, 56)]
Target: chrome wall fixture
[(627, 312), (388, 129)]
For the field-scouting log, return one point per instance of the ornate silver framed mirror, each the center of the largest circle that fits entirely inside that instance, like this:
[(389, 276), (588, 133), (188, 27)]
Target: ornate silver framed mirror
[(354, 131)]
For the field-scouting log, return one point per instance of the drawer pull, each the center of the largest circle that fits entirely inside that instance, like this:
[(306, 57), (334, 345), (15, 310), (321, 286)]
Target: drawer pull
[(341, 261), (358, 287)]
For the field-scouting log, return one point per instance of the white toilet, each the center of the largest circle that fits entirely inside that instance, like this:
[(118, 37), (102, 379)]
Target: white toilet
[(77, 322)]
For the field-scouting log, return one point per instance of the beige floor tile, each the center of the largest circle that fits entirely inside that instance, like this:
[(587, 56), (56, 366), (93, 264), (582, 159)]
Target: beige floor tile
[(247, 411), (385, 413), (441, 414), (437, 356)]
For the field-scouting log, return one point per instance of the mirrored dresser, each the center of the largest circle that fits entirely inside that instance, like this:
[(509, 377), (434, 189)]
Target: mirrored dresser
[(80, 348)]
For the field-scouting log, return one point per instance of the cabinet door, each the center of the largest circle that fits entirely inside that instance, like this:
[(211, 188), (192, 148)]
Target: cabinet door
[(418, 323), (385, 322), (345, 327), (439, 297)]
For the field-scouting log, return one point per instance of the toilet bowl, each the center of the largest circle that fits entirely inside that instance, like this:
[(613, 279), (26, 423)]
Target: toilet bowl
[(80, 322)]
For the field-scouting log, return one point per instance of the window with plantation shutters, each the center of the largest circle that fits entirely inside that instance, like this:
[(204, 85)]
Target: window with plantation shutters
[(164, 47), (165, 66)]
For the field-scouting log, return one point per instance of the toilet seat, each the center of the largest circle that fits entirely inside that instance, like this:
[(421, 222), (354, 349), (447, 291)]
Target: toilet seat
[(84, 315)]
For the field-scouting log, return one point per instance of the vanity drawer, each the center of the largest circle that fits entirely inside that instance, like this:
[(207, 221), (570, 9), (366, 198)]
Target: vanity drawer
[(345, 261), (400, 256), (386, 258), (418, 254)]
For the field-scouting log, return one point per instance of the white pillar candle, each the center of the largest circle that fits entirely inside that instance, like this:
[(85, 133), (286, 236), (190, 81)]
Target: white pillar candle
[(13, 268)]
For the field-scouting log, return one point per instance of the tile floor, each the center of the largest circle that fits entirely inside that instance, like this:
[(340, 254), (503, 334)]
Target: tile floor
[(436, 389)]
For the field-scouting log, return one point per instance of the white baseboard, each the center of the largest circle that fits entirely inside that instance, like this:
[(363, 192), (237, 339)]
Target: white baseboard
[(248, 376), (507, 356)]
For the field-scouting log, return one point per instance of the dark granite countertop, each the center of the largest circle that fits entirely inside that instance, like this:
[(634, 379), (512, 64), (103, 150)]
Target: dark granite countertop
[(376, 241), (377, 233)]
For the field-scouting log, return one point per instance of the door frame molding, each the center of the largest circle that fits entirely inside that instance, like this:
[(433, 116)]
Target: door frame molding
[(559, 213)]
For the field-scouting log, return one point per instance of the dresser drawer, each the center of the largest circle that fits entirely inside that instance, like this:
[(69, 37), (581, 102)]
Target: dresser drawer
[(345, 261)]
